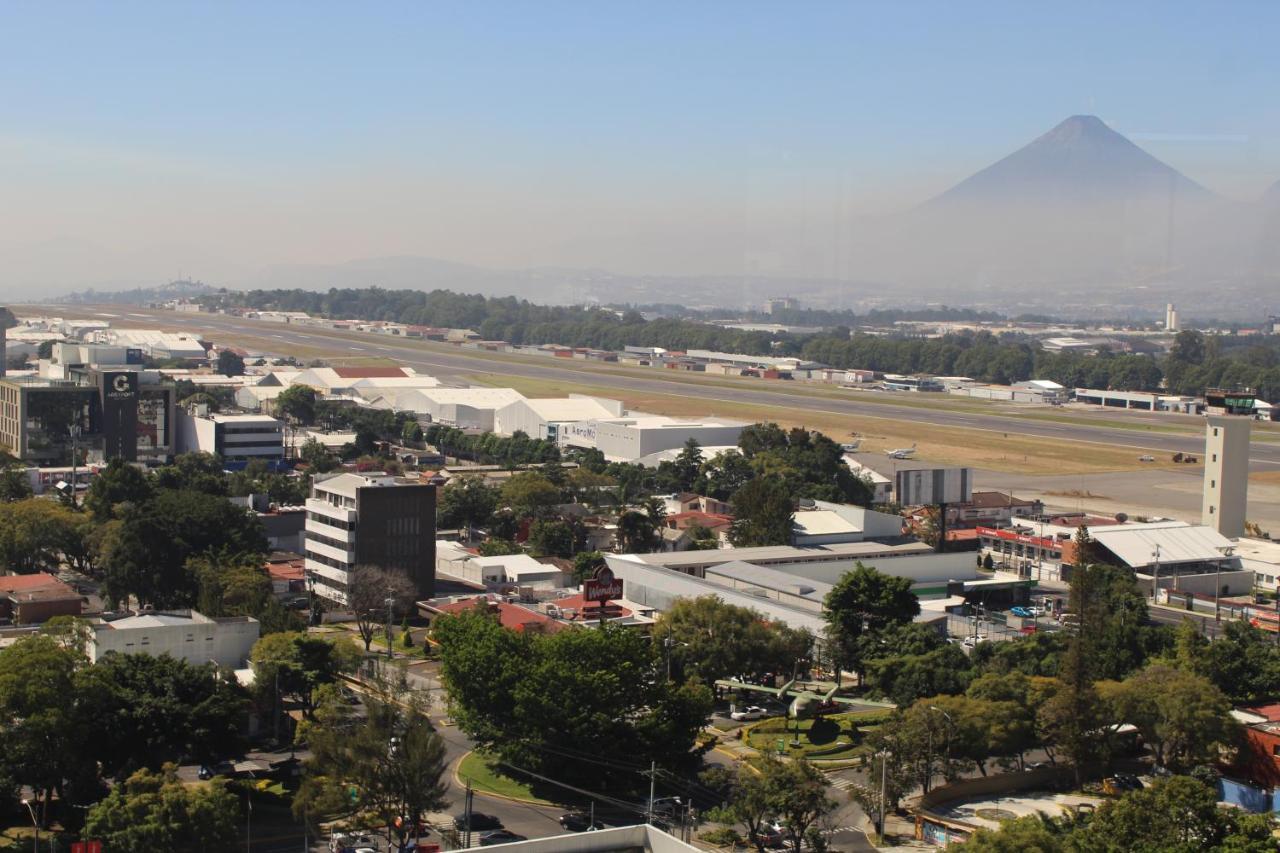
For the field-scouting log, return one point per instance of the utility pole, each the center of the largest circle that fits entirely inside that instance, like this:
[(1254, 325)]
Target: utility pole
[(653, 779), (391, 650), (75, 452), (466, 818), (884, 800)]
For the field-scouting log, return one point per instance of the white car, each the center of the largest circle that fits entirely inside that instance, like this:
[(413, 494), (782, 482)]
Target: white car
[(971, 641), (1146, 459), (751, 712), (1037, 610)]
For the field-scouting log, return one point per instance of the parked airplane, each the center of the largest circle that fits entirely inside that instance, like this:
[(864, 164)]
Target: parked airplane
[(851, 446), (902, 452)]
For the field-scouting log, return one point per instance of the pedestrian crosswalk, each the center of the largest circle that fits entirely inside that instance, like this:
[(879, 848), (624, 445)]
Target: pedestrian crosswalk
[(843, 783)]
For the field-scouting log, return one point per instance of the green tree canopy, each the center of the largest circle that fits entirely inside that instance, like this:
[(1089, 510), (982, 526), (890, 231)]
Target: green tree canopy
[(708, 639), (865, 601), (150, 812)]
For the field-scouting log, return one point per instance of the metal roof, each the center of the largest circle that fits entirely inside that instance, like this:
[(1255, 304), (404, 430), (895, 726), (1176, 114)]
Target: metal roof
[(1179, 542)]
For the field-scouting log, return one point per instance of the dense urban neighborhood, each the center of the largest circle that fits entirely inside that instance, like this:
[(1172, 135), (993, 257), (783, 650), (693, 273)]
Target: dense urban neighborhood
[(252, 599)]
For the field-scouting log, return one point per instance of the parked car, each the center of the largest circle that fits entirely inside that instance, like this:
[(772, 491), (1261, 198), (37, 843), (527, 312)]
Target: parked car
[(668, 806), (1146, 459), (1120, 783), (1024, 612), (204, 772), (751, 712), (1037, 610), (501, 836), (579, 822), (478, 821), (971, 641)]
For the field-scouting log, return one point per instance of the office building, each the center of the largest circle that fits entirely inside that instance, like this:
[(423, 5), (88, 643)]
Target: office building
[(238, 439), (1226, 474), (107, 412), (369, 519), (1170, 318)]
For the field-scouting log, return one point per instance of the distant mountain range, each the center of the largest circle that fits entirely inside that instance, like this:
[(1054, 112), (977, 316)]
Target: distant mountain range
[(1079, 222)]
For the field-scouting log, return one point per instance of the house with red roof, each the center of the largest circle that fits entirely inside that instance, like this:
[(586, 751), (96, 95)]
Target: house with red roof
[(35, 598)]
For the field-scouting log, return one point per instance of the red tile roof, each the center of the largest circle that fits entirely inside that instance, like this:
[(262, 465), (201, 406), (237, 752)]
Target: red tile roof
[(27, 583), (511, 616), (369, 372), (577, 602)]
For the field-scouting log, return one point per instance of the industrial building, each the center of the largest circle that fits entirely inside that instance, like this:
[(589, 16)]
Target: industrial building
[(464, 408), (183, 634), (826, 523), (369, 519), (544, 417), (1141, 400), (627, 439)]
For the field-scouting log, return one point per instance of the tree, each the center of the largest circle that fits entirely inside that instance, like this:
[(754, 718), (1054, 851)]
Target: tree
[(764, 786), (1032, 834), (411, 432), (530, 494), (762, 514), (199, 472), (391, 758), (865, 601), (118, 483), (707, 639), (688, 464), (1182, 717), (526, 697), (551, 538), (36, 535), (297, 403), (368, 589), (14, 484), (799, 792), (150, 812), (636, 532), (43, 743), (317, 457), (498, 548), (585, 564), (1174, 814), (299, 664), (144, 711), (230, 363)]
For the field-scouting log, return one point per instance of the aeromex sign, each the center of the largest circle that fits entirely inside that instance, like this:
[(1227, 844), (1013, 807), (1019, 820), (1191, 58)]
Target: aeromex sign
[(603, 586)]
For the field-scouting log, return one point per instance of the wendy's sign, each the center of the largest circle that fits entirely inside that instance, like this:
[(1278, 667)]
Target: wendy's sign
[(603, 586)]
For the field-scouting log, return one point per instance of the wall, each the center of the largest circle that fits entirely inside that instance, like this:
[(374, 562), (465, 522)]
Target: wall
[(226, 643), (396, 529), (923, 568)]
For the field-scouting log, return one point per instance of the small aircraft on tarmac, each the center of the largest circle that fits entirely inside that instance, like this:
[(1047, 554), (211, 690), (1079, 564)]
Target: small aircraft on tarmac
[(901, 452), (805, 703), (851, 446)]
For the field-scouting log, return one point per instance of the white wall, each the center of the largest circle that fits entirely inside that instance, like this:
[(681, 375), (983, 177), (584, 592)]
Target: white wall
[(197, 642)]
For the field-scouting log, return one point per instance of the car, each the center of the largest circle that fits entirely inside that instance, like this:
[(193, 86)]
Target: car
[(1037, 610), (501, 836), (1146, 459), (204, 772), (751, 712), (668, 806), (1021, 611), (1120, 784), (579, 822), (971, 641), (479, 820)]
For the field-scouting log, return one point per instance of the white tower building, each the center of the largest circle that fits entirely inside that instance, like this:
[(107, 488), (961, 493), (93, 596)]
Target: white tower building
[(1170, 317), (1226, 474)]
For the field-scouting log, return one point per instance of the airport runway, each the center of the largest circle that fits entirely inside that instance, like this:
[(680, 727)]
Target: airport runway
[(446, 359)]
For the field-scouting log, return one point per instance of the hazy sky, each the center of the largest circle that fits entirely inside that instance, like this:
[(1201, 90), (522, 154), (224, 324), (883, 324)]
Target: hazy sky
[(147, 139)]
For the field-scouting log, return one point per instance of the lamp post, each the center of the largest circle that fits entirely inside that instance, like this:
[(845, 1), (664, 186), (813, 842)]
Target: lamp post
[(950, 723), (1155, 587), (391, 650), (35, 844), (74, 429)]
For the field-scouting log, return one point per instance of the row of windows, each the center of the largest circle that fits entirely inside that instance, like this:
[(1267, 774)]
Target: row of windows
[(331, 522), (340, 544), (327, 561), (404, 526)]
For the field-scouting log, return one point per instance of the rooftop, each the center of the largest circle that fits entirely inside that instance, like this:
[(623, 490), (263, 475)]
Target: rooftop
[(1178, 542)]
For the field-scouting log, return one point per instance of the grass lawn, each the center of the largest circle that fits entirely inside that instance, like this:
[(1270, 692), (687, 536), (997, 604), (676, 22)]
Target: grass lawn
[(836, 737), (486, 777)]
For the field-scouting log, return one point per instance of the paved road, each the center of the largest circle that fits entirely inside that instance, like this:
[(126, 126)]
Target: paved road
[(446, 359)]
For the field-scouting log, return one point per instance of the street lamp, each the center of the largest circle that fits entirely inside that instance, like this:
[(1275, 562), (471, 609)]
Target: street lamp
[(391, 649), (950, 722), (35, 845)]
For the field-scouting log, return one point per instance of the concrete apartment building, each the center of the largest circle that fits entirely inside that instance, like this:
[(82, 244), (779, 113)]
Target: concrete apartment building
[(183, 634), (235, 438), (369, 519)]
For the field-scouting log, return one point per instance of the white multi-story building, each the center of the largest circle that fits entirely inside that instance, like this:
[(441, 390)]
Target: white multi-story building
[(185, 634), (235, 438), (369, 519)]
